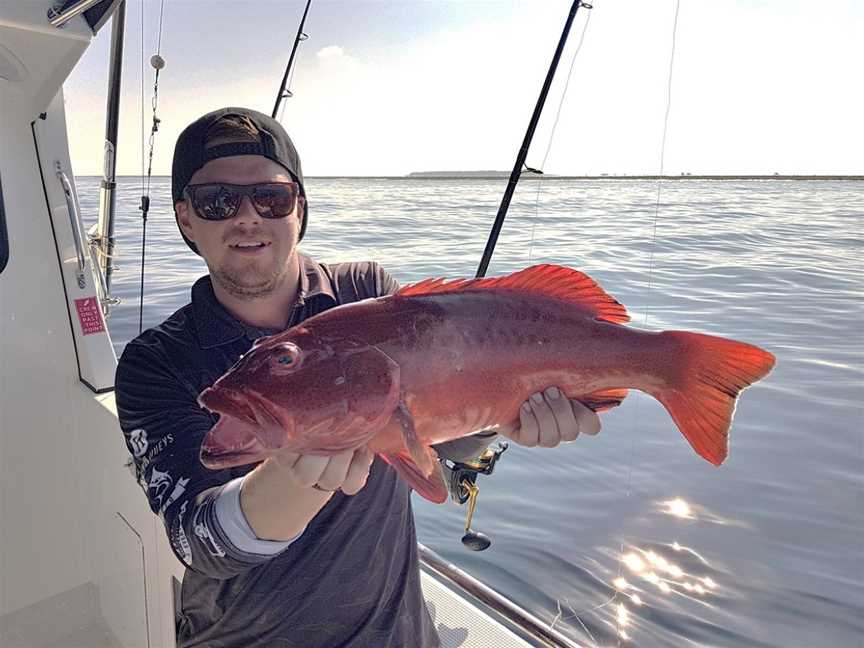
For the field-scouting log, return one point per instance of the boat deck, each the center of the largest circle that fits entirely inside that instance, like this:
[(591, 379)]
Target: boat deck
[(460, 623)]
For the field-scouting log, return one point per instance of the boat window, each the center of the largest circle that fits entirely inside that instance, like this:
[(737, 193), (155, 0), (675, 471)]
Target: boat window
[(4, 240)]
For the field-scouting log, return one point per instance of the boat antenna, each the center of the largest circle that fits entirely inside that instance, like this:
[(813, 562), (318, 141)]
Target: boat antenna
[(157, 62), (284, 92), (526, 143)]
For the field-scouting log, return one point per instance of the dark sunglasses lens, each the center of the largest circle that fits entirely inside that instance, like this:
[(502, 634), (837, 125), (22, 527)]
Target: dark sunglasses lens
[(275, 201), (216, 202)]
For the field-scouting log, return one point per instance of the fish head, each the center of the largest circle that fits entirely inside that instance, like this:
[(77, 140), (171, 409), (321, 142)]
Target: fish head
[(301, 392)]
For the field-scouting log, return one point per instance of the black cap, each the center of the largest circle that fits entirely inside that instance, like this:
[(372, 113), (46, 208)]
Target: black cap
[(190, 153)]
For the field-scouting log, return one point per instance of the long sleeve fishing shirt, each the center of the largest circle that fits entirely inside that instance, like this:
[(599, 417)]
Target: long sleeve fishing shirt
[(350, 579)]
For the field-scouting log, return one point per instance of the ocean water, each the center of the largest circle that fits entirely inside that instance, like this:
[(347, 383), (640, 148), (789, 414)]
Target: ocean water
[(629, 538)]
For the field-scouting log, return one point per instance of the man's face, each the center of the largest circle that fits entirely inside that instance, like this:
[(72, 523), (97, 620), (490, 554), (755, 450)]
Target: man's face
[(244, 271)]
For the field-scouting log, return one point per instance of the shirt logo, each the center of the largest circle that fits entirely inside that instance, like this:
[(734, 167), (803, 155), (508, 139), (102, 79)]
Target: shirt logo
[(150, 452), (179, 539), (179, 489), (206, 536), (138, 441), (160, 486)]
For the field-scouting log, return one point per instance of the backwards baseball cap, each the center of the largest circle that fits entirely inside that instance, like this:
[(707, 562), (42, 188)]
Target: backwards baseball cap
[(191, 153)]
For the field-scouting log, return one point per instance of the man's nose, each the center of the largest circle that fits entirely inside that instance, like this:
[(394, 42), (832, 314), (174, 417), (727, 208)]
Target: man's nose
[(246, 213)]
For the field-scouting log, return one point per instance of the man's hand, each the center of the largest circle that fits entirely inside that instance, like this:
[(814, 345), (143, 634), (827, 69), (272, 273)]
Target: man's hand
[(549, 418), (346, 471), (282, 494)]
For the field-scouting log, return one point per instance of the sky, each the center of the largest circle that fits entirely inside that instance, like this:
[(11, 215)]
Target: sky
[(387, 88)]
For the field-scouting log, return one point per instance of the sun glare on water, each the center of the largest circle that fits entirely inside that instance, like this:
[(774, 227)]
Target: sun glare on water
[(679, 508)]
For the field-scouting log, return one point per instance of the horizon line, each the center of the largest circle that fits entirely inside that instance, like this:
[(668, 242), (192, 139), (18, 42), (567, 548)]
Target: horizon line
[(468, 175)]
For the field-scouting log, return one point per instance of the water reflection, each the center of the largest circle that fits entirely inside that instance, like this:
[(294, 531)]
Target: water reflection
[(679, 508), (651, 579), (660, 571)]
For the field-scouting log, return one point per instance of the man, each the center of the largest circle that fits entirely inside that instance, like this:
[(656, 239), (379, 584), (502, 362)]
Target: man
[(299, 550)]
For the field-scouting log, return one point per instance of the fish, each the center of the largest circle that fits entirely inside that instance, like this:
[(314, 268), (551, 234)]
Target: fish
[(443, 359)]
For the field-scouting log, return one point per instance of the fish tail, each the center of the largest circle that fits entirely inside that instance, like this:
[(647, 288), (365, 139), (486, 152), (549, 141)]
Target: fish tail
[(701, 396)]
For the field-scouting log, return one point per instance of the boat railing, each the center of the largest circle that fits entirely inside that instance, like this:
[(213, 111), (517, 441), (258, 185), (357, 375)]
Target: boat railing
[(527, 623)]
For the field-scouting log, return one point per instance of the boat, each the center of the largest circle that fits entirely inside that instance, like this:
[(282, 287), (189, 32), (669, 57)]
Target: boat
[(83, 560)]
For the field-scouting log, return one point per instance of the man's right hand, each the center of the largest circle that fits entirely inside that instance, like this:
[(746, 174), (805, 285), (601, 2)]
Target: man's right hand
[(346, 471), (282, 495)]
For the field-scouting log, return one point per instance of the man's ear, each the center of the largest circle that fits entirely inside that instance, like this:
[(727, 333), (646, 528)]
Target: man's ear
[(181, 208)]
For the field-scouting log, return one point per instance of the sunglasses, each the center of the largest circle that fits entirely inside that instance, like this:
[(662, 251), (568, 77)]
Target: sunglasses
[(220, 201)]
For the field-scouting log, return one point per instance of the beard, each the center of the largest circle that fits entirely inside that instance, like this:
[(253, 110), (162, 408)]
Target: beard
[(249, 281)]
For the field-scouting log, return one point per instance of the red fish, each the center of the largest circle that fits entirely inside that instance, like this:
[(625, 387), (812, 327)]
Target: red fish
[(440, 360)]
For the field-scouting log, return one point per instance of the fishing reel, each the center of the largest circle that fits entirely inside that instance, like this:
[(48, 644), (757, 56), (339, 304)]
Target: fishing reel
[(463, 488)]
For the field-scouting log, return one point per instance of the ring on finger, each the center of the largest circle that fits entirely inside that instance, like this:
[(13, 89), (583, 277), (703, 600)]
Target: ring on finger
[(324, 490)]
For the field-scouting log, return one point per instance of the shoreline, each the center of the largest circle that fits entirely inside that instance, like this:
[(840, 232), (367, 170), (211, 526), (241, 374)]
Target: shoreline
[(528, 176)]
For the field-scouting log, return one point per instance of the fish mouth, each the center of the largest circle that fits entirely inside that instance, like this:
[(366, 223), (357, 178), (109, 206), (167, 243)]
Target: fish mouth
[(226, 402), (231, 442), (248, 430)]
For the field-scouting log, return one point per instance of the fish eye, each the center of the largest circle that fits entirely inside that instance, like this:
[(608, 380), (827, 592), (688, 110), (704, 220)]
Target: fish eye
[(286, 356)]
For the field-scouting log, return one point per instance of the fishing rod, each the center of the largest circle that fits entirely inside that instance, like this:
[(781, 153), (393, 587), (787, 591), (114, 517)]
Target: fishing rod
[(463, 476), (284, 93), (526, 143)]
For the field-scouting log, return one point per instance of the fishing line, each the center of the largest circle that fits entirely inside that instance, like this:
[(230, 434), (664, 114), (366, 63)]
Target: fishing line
[(576, 614), (288, 87), (650, 272), (142, 207), (157, 62), (552, 135), (142, 98), (617, 594)]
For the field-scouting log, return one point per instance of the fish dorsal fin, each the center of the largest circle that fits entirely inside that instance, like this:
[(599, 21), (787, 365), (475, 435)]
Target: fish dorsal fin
[(549, 280)]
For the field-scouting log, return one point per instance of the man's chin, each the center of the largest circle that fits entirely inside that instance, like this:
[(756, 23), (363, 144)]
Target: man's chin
[(246, 285)]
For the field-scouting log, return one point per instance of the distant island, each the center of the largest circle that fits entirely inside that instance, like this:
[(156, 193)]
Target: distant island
[(461, 174), (494, 175)]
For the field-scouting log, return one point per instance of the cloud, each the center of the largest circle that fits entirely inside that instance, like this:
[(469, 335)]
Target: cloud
[(331, 52), (333, 60)]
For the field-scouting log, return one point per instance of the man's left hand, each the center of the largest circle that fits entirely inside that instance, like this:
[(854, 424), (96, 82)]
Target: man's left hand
[(549, 418)]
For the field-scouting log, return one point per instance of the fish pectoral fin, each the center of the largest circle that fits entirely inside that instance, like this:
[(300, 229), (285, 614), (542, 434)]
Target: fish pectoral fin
[(418, 466), (600, 401), (424, 456), (431, 486)]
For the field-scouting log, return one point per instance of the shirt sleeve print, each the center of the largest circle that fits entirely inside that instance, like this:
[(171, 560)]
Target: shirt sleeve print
[(163, 427)]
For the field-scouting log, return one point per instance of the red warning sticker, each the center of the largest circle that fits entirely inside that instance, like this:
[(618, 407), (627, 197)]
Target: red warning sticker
[(89, 315)]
